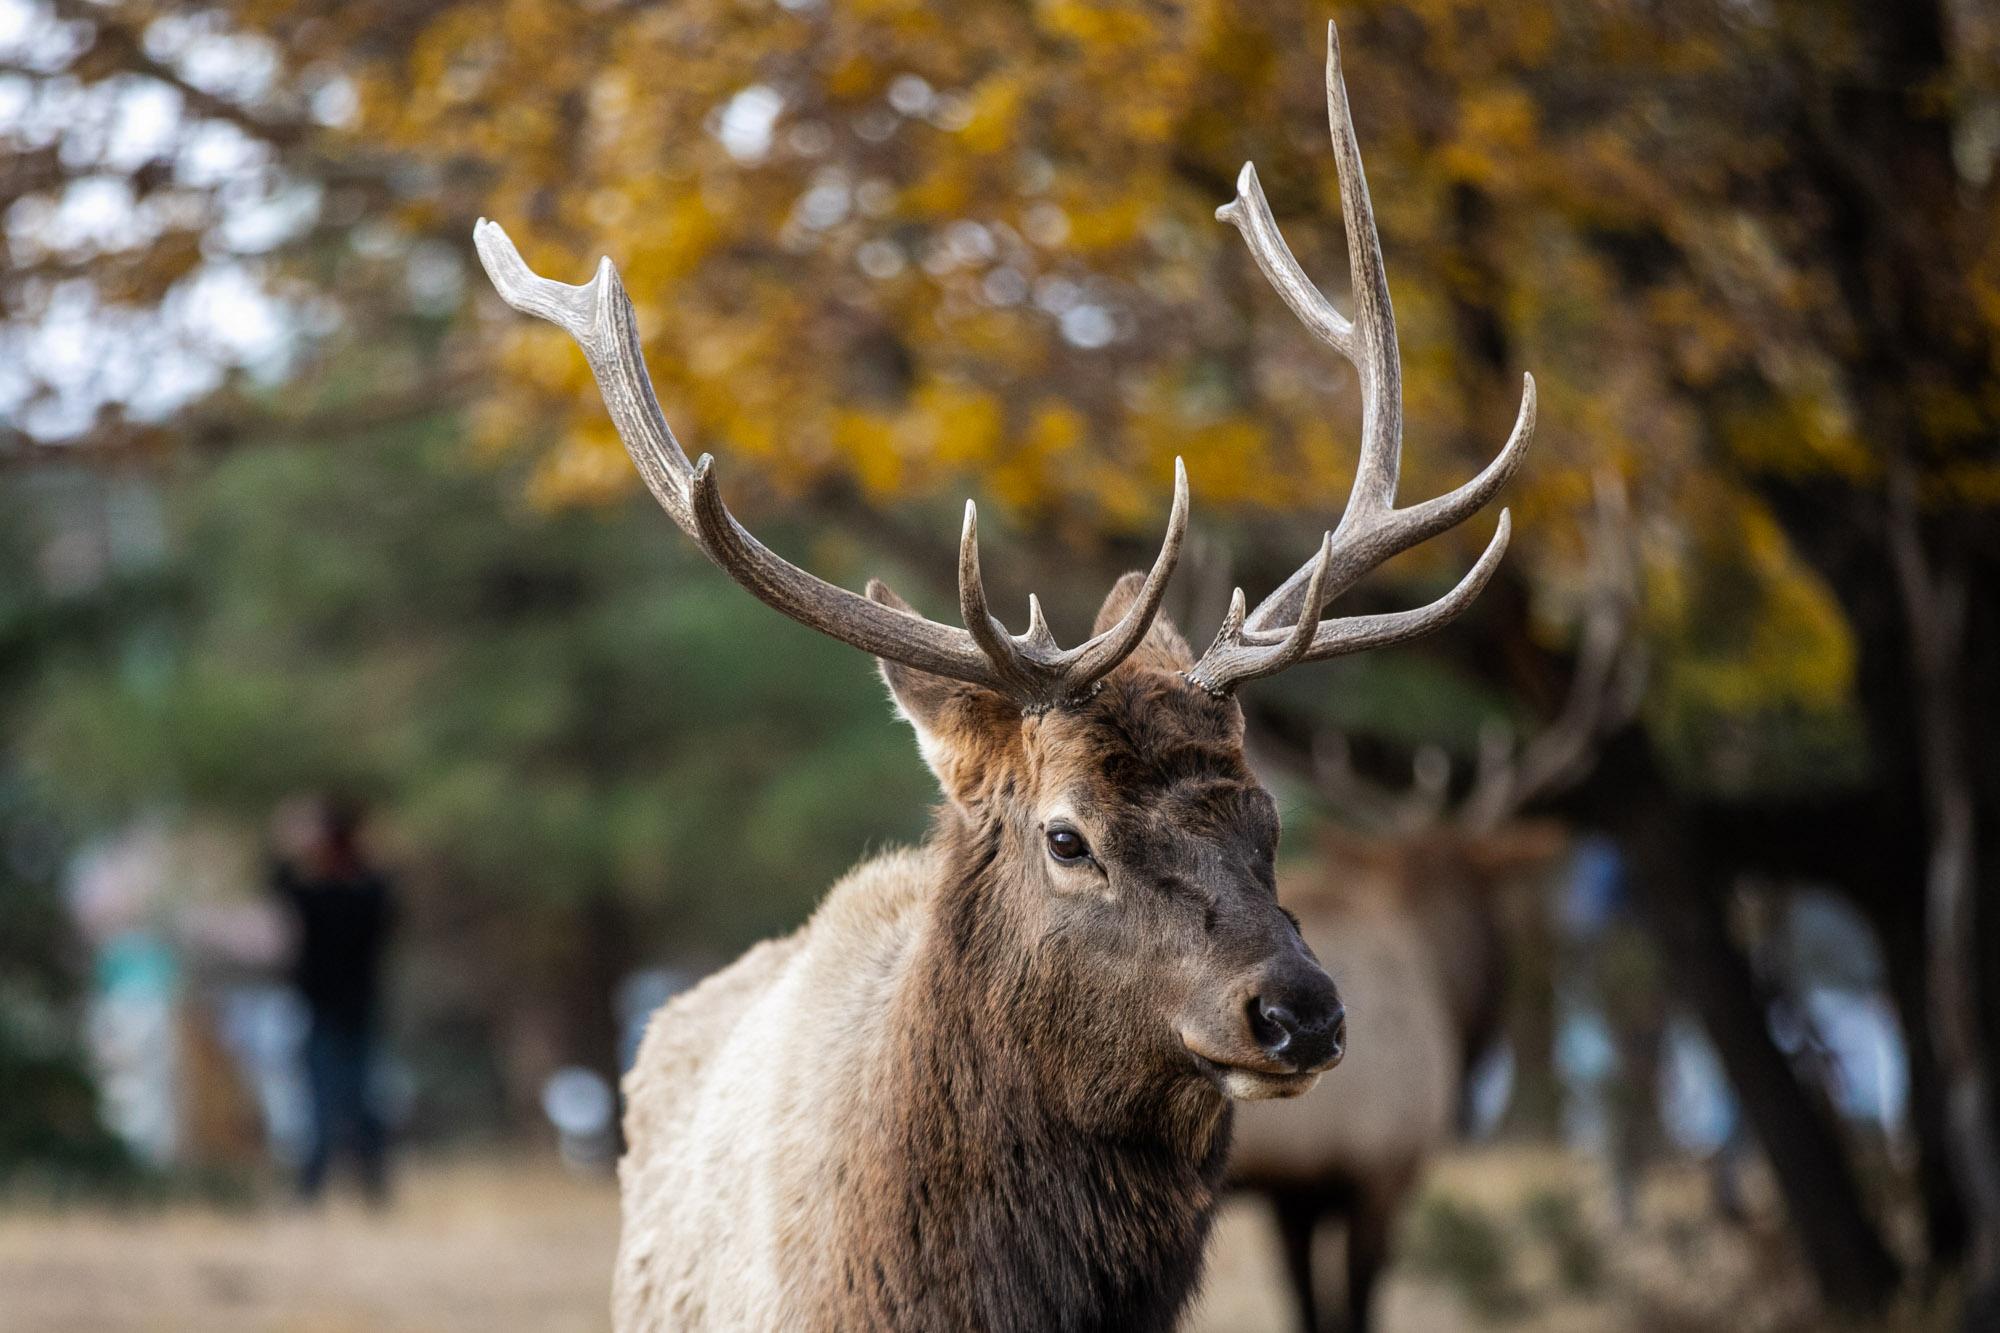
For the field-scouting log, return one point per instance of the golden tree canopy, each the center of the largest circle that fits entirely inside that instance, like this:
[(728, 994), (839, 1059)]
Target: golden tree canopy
[(908, 247)]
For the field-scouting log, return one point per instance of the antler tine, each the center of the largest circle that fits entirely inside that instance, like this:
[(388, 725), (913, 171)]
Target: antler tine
[(1430, 786), (1352, 795), (988, 633), (1022, 659), (1379, 364), (1249, 654), (600, 317), (1369, 339), (1091, 660), (1361, 547), (1296, 642), (1250, 213), (1371, 528), (1029, 669), (1396, 813)]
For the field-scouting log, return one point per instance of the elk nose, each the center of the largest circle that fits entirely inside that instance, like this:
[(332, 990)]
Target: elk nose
[(1305, 1033)]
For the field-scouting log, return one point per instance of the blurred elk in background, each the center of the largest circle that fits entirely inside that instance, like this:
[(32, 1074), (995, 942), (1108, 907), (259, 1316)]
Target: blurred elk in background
[(1406, 906)]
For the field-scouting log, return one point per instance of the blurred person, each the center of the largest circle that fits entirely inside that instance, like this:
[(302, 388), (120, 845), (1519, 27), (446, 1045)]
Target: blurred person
[(342, 912)]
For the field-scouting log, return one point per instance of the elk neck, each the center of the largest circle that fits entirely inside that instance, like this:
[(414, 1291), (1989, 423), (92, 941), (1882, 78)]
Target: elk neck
[(1012, 1171)]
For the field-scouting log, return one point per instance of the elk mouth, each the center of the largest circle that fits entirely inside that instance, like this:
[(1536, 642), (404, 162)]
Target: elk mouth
[(1248, 1083)]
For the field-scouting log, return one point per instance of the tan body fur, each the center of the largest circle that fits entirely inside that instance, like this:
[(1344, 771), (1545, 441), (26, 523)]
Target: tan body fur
[(726, 1135)]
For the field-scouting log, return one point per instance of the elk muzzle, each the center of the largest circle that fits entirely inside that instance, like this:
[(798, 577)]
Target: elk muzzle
[(1286, 1029)]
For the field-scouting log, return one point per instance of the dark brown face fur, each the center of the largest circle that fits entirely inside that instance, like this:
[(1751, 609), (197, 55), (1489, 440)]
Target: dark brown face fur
[(1055, 1115), (1126, 877)]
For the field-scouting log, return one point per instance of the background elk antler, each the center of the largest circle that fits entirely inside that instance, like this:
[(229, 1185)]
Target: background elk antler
[(1604, 694), (1285, 628), (1031, 668)]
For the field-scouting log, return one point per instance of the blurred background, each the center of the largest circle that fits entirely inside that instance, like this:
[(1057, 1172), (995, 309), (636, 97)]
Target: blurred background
[(1693, 816)]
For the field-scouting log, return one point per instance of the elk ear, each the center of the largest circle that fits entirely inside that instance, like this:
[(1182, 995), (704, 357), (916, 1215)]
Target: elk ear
[(956, 723), (1163, 648)]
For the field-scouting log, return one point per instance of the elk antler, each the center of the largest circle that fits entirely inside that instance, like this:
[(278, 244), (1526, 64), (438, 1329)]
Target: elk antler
[(1286, 627), (1032, 669), (1373, 805), (1605, 689)]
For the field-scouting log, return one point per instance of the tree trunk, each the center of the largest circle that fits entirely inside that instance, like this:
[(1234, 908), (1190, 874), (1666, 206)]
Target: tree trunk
[(1904, 948), (1535, 1111), (1681, 895), (1678, 879), (602, 958), (1934, 595)]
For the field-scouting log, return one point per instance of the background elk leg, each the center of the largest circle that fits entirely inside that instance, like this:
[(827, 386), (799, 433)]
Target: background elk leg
[(1298, 1215), (1368, 1233)]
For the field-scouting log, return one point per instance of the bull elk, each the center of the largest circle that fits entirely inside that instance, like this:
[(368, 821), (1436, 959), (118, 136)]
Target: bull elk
[(987, 1085), (1403, 914)]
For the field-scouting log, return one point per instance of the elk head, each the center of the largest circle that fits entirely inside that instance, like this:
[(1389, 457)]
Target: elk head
[(1109, 850)]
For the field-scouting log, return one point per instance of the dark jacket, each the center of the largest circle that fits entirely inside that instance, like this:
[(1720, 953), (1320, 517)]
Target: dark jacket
[(343, 926)]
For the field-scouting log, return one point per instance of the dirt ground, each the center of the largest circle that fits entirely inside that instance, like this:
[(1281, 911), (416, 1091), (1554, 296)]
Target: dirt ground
[(514, 1244), (483, 1245)]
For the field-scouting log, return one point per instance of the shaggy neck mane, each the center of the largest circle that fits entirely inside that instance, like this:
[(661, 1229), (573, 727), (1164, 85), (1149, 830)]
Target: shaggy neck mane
[(977, 1196)]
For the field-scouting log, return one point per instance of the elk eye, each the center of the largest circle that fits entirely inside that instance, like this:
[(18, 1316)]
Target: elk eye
[(1067, 845)]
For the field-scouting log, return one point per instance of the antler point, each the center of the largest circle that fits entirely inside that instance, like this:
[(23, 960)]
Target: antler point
[(1246, 188)]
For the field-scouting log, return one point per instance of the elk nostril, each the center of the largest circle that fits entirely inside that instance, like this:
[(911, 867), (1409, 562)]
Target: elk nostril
[(1273, 1025)]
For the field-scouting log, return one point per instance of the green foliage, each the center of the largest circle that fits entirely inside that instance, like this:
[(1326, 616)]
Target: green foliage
[(1406, 699), (549, 706), (1460, 1244), (1558, 1220), (52, 1140)]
